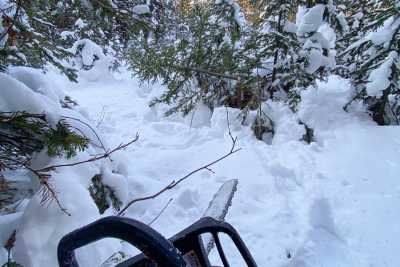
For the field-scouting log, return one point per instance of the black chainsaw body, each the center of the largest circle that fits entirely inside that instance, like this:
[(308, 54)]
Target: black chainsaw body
[(184, 249)]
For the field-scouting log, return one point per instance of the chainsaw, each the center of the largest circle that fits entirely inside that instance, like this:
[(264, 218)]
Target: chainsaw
[(190, 247)]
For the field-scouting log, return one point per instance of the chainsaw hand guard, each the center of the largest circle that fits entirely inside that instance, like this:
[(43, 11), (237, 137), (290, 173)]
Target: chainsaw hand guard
[(143, 237)]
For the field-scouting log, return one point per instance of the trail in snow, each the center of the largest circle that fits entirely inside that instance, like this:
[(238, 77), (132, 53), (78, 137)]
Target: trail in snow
[(296, 204), (167, 149)]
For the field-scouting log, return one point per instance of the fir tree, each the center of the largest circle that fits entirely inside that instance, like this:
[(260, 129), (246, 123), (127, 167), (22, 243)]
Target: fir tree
[(198, 61), (319, 52), (372, 61), (39, 33), (23, 134), (31, 30), (279, 48)]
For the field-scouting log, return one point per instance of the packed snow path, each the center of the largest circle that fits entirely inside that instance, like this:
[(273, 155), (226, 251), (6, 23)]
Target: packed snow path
[(333, 203)]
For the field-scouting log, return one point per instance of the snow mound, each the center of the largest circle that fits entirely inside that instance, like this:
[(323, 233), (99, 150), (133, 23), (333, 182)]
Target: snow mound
[(26, 89), (92, 61), (35, 80), (16, 96), (200, 116), (286, 124), (321, 107), (37, 239)]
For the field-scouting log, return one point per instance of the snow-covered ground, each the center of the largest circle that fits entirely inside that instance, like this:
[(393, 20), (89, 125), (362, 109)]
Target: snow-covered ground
[(333, 203)]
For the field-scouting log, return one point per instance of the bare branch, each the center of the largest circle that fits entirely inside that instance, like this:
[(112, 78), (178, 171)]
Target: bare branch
[(94, 158), (90, 127), (175, 183), (234, 139)]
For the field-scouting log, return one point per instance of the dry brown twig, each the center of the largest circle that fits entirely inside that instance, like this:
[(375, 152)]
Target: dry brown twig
[(174, 183)]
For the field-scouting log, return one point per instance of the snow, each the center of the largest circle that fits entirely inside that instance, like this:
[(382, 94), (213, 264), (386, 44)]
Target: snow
[(287, 127), (141, 9), (379, 79), (80, 23), (291, 197), (341, 17), (311, 20), (116, 181), (7, 225), (37, 240), (330, 96), (238, 15), (16, 96), (324, 242), (200, 116), (384, 34), (88, 50), (92, 61), (331, 203), (34, 79), (315, 57)]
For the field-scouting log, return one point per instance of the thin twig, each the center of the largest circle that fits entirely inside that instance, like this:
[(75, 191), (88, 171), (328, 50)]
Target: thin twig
[(234, 139), (102, 116), (210, 170), (175, 183), (90, 127), (94, 158), (161, 212)]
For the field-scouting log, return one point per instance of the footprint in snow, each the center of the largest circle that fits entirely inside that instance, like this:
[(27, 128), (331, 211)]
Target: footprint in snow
[(323, 246)]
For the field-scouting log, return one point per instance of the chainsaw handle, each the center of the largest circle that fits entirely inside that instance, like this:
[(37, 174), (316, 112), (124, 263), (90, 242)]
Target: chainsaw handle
[(189, 242), (211, 226), (138, 234)]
